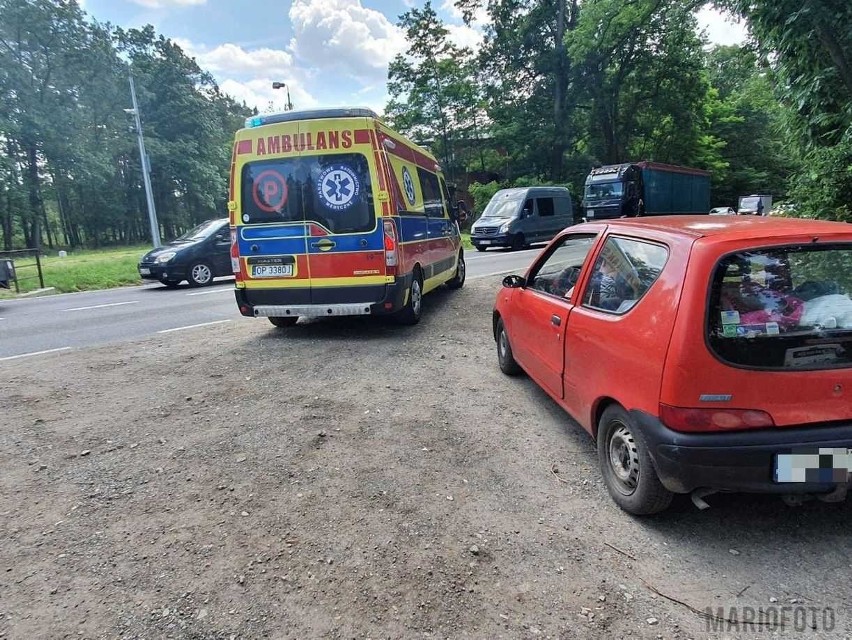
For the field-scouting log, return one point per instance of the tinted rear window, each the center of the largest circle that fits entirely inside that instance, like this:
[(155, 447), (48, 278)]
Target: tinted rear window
[(333, 190), (783, 308)]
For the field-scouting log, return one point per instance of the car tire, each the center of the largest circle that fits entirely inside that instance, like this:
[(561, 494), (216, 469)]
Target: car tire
[(284, 321), (411, 312), (199, 274), (479, 248), (505, 358), (518, 242), (457, 281), (626, 466), (171, 284)]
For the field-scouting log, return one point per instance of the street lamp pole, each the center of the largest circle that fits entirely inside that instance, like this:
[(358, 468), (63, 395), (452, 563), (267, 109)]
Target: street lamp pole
[(146, 170), (281, 85)]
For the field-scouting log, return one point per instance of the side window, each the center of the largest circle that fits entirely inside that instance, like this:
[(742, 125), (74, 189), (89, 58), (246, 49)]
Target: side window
[(558, 274), (623, 273), (545, 206), (432, 200)]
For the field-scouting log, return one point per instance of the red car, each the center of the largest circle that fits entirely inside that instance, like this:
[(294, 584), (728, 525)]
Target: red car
[(703, 354)]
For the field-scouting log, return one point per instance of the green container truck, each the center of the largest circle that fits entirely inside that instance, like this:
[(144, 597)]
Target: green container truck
[(645, 189)]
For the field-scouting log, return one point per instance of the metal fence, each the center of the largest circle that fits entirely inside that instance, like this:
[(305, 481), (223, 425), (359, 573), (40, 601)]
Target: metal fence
[(27, 266)]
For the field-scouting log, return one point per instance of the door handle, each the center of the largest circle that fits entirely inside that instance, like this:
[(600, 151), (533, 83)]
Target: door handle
[(327, 244), (555, 320)]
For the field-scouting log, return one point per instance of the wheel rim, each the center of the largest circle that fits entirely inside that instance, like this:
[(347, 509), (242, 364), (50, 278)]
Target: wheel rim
[(502, 345), (201, 273), (624, 460), (415, 297), (461, 269)]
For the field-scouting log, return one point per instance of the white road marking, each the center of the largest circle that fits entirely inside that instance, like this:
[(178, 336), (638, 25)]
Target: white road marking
[(193, 326), (207, 293), (101, 306), (34, 353)]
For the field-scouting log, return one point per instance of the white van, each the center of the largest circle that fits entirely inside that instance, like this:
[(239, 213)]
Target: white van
[(519, 217)]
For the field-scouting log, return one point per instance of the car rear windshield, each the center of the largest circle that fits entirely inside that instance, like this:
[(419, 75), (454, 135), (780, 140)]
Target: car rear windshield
[(332, 190), (783, 308)]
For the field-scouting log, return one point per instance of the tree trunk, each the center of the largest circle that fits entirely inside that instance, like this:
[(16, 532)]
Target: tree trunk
[(36, 204)]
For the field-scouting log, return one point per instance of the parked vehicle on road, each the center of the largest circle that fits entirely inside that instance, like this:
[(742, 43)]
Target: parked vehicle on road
[(335, 214), (701, 357), (7, 273), (645, 189), (518, 217), (754, 205), (197, 256), (723, 211)]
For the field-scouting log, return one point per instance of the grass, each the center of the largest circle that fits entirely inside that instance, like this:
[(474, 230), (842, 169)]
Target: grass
[(81, 270), (466, 240)]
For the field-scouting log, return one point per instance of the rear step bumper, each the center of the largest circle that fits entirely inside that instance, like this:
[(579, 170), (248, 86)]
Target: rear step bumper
[(312, 311), (324, 301), (741, 461)]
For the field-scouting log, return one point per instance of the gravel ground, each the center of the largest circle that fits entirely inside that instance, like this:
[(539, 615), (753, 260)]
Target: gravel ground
[(356, 479)]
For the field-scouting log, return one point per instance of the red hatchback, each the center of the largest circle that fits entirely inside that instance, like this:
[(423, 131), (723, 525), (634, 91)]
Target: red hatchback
[(703, 354)]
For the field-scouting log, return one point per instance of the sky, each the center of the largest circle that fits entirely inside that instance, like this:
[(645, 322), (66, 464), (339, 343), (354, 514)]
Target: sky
[(328, 52)]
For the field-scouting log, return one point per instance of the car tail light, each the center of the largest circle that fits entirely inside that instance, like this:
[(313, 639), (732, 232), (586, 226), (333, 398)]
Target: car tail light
[(391, 247), (714, 419), (236, 266)]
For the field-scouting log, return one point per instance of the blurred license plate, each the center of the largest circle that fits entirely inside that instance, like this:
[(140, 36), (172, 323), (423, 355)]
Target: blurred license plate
[(485, 242), (144, 271), (271, 270), (590, 213), (819, 465)]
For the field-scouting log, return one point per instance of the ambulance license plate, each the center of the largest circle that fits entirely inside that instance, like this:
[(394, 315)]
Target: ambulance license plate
[(271, 270)]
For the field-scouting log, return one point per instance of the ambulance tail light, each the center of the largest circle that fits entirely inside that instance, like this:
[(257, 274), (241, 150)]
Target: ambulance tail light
[(236, 267), (714, 419), (391, 248)]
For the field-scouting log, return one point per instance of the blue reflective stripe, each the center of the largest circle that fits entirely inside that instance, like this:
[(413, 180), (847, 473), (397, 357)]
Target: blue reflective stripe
[(274, 232), (373, 241), (284, 246)]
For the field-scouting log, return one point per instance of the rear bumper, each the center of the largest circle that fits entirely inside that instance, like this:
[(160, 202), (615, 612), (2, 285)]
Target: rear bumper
[(490, 241), (742, 461), (321, 301)]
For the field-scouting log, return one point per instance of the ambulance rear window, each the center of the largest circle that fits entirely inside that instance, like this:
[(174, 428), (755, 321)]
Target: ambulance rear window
[(332, 190), (783, 308)]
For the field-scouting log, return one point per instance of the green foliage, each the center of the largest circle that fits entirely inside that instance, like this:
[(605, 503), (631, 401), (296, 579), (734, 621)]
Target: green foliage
[(70, 173)]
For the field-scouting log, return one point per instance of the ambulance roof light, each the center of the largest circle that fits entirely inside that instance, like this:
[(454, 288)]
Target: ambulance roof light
[(309, 114)]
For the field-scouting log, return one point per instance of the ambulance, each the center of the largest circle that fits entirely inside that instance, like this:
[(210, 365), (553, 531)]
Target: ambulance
[(332, 213)]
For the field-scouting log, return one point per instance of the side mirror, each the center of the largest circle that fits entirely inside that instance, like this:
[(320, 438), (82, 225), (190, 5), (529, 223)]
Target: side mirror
[(514, 282)]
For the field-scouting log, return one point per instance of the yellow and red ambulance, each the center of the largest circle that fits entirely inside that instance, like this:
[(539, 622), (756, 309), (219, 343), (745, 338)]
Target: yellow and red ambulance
[(332, 213)]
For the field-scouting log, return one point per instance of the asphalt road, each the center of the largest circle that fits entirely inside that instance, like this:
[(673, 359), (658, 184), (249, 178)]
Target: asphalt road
[(52, 324)]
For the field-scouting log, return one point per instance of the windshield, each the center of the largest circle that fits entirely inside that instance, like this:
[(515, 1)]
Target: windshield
[(786, 308), (334, 191), (749, 204), (204, 230), (604, 190), (501, 207)]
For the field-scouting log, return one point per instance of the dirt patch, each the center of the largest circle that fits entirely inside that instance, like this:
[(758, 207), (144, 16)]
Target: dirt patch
[(350, 479)]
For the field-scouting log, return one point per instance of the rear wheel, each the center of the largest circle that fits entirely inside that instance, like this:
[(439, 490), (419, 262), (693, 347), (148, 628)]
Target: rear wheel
[(284, 321), (457, 281), (200, 274), (410, 313), (506, 360), (518, 242), (626, 467)]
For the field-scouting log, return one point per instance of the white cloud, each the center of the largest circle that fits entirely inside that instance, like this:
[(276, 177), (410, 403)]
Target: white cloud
[(234, 60), (480, 16), (259, 93), (464, 36), (721, 27), (165, 4), (344, 35)]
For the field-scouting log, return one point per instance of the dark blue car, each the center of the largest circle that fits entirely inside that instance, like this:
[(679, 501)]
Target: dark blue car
[(197, 256)]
